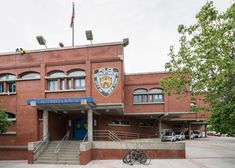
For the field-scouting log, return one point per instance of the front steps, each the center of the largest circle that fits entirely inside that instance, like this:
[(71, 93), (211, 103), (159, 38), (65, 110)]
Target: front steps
[(69, 154)]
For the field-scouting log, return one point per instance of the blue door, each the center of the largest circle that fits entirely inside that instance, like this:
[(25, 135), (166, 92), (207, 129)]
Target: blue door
[(79, 129)]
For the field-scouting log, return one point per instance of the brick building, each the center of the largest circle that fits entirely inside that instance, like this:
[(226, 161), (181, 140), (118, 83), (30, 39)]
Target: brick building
[(83, 90)]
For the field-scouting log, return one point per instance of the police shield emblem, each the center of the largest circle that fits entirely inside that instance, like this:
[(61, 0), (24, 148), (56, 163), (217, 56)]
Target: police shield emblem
[(106, 80)]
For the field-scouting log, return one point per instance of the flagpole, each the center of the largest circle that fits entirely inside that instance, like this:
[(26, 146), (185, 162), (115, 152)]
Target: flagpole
[(73, 25)]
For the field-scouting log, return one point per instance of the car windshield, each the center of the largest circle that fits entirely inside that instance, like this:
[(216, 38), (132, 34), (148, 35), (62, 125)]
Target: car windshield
[(177, 133), (168, 133)]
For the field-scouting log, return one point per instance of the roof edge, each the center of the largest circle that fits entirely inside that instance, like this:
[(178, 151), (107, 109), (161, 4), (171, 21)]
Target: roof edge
[(66, 48), (146, 73)]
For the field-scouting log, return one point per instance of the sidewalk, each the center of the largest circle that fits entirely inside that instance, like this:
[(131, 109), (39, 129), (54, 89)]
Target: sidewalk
[(209, 152), (159, 163)]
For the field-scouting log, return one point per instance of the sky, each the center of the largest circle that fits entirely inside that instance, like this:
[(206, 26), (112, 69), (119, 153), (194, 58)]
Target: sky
[(150, 25)]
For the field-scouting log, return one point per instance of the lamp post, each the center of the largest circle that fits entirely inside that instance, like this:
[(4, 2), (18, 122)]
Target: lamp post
[(41, 40)]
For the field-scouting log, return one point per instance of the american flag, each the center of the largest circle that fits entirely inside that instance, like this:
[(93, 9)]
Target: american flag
[(72, 17)]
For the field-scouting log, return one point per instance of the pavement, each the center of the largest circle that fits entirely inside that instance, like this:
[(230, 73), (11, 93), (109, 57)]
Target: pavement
[(211, 152)]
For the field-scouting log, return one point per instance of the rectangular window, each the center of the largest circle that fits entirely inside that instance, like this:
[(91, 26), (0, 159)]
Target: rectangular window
[(79, 83), (150, 98), (137, 99), (83, 85), (52, 85), (69, 84), (158, 98), (1, 87), (145, 98), (11, 87), (62, 86)]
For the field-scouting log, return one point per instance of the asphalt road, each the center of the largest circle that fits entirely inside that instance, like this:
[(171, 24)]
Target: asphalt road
[(212, 152)]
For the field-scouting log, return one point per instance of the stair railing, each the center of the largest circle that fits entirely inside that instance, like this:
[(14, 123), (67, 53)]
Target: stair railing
[(107, 134), (38, 147), (61, 143), (85, 138), (118, 135), (113, 136)]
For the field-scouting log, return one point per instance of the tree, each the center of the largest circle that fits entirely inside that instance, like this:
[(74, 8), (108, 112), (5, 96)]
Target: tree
[(205, 63), (4, 123)]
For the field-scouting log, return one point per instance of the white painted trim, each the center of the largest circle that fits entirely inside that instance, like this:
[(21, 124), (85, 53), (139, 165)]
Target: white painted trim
[(156, 113), (65, 76), (148, 103), (109, 104), (70, 90), (8, 93), (187, 119), (9, 133), (28, 79)]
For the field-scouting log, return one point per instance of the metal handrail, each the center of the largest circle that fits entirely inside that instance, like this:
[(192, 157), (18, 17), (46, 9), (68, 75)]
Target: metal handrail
[(131, 135), (38, 146), (114, 136), (85, 138), (61, 143), (119, 135)]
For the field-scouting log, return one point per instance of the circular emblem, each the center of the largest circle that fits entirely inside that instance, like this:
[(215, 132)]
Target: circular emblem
[(105, 80)]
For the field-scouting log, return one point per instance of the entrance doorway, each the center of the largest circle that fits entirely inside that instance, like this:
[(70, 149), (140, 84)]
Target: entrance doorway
[(79, 127)]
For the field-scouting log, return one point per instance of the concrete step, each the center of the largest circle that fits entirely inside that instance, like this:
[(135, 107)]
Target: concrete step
[(59, 156), (68, 154), (56, 162), (61, 152)]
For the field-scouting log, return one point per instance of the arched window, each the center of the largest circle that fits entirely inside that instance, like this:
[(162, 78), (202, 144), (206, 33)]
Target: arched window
[(155, 91), (7, 83), (140, 91), (55, 74), (77, 73), (30, 75), (140, 95), (156, 95), (7, 77), (56, 81), (78, 78)]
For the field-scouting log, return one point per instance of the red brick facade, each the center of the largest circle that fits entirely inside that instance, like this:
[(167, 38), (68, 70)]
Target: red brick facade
[(28, 124)]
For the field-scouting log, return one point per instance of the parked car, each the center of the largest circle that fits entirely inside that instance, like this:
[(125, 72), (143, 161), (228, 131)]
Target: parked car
[(187, 135), (179, 136), (168, 136), (211, 133), (197, 134), (164, 131)]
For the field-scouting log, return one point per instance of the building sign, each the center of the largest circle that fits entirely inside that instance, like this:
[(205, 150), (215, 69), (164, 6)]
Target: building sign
[(106, 80)]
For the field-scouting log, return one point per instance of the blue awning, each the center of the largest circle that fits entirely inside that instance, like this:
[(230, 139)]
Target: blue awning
[(62, 103), (61, 100)]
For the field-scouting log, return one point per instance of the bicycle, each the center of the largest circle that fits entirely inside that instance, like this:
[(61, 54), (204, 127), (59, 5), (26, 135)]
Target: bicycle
[(134, 155)]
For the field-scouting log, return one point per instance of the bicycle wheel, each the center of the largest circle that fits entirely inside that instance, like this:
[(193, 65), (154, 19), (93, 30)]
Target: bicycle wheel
[(142, 159), (148, 160), (127, 158)]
